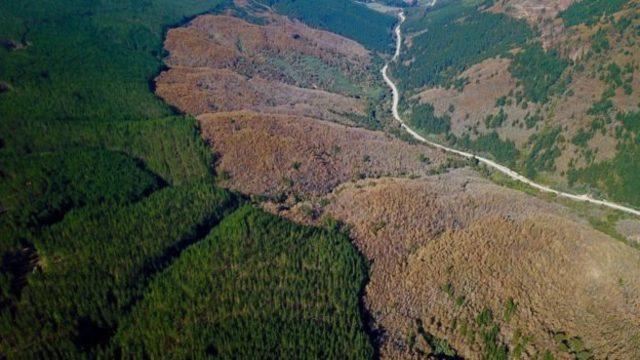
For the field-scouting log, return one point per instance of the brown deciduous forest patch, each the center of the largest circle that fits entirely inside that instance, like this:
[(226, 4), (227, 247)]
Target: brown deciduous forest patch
[(279, 154), (199, 91), (220, 41), (223, 63), (444, 249)]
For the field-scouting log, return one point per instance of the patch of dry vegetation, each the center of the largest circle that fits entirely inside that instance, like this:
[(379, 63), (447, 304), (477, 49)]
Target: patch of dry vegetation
[(223, 63), (630, 229), (541, 14), (229, 39), (203, 90), (488, 270), (488, 81), (287, 155), (533, 11)]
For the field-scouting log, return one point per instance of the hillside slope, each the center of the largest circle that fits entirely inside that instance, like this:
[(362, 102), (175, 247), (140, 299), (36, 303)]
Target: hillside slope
[(347, 18), (279, 155), (103, 186), (223, 63), (459, 266), (559, 103), (267, 96), (462, 266), (129, 229)]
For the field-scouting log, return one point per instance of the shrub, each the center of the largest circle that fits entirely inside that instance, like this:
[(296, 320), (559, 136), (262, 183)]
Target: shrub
[(543, 152), (484, 318), (532, 120), (495, 121), (538, 70), (582, 138), (590, 11), (504, 151), (423, 117), (510, 308), (459, 36)]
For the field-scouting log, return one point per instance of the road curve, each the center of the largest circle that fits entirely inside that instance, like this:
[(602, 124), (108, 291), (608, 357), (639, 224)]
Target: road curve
[(492, 164)]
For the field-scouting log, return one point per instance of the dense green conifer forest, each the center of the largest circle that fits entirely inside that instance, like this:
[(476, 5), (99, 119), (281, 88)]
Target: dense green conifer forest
[(452, 38), (347, 18), (256, 287), (103, 187)]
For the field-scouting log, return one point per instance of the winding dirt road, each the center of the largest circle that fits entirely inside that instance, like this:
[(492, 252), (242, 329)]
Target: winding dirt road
[(492, 164)]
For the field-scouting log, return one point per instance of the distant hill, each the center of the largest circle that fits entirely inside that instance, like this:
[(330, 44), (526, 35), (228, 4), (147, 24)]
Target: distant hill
[(550, 87), (348, 18)]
